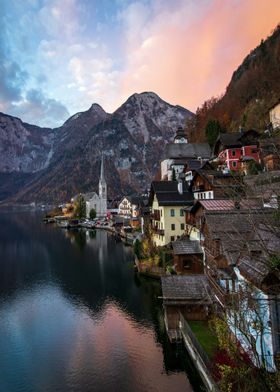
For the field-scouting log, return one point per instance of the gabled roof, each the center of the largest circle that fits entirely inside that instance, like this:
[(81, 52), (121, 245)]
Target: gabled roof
[(185, 246), (135, 200), (235, 139), (187, 150), (168, 195), (194, 288)]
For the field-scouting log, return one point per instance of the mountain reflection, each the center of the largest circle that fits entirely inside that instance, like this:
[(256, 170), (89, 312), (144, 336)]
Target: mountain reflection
[(75, 316)]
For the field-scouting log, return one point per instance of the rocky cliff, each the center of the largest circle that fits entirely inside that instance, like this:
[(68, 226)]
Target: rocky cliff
[(66, 160)]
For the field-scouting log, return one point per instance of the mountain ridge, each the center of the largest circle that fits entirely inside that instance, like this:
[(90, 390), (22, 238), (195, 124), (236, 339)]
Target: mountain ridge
[(132, 139)]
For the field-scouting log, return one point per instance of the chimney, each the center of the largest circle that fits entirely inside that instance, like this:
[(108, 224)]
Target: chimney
[(237, 205), (180, 187)]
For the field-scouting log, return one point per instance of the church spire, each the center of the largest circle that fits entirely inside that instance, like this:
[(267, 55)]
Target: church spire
[(102, 178)]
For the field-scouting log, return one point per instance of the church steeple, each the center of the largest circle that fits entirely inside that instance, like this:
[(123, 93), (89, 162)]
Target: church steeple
[(102, 190), (102, 178)]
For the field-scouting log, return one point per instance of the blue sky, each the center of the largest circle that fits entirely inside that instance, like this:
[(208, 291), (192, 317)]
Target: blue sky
[(57, 57)]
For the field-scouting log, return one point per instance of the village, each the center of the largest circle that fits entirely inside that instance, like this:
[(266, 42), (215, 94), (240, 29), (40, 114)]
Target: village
[(208, 229)]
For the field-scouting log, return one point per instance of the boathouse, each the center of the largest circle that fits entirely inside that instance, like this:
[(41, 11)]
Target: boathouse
[(186, 294)]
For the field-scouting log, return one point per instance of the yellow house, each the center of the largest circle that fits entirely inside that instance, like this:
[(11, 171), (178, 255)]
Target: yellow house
[(167, 201), (274, 115)]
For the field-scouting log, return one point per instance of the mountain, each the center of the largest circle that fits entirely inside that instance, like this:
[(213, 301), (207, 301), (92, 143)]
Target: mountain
[(253, 89), (132, 140)]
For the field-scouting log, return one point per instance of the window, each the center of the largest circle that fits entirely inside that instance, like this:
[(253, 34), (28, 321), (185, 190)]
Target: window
[(233, 153), (209, 195), (234, 164), (172, 238), (182, 226), (181, 212), (173, 226), (172, 212)]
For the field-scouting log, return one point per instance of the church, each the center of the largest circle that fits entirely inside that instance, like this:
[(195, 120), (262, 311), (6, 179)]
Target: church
[(95, 201)]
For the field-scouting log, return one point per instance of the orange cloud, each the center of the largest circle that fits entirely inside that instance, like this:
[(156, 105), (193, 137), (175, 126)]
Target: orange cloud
[(188, 54)]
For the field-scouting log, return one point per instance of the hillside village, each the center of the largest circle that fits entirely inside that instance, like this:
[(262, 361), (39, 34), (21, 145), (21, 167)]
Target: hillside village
[(209, 229)]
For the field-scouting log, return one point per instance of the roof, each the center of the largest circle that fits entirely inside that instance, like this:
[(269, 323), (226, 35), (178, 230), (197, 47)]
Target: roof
[(236, 139), (135, 200), (242, 232), (187, 150), (194, 164), (168, 195), (193, 288), (226, 204), (186, 246), (231, 139), (254, 270)]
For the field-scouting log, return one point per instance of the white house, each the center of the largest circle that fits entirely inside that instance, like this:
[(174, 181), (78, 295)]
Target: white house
[(129, 206)]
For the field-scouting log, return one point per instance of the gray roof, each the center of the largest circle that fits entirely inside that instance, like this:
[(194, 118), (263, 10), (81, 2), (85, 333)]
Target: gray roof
[(167, 194), (255, 270), (186, 247), (187, 150), (187, 288)]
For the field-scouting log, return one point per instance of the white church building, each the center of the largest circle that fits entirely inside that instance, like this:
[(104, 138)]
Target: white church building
[(95, 201)]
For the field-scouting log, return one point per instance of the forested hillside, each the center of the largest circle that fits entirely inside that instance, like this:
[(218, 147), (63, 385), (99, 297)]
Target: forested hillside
[(253, 89)]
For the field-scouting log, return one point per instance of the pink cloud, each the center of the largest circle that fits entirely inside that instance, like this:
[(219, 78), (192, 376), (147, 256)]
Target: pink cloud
[(189, 53)]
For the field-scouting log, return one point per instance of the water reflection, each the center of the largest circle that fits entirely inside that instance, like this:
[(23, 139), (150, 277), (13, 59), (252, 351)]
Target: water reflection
[(75, 317)]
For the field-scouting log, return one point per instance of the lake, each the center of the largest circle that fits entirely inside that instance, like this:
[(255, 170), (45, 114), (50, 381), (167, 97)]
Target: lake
[(74, 315)]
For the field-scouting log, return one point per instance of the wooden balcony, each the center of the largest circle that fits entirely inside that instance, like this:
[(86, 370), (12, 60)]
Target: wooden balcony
[(198, 188), (158, 231)]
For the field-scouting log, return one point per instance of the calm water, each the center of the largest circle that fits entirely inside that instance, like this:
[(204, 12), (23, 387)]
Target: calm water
[(75, 317)]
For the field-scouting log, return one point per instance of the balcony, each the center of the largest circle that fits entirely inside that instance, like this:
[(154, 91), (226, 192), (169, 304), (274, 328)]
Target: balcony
[(198, 188), (155, 215), (157, 231)]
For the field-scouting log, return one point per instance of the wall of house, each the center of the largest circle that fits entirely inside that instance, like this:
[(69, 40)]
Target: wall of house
[(191, 311), (165, 167), (232, 156), (165, 222), (124, 207), (189, 264), (274, 115)]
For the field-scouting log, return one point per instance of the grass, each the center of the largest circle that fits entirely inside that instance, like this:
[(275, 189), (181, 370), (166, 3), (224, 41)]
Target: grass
[(205, 336)]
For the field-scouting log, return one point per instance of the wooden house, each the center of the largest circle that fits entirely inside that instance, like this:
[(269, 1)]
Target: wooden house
[(188, 256), (189, 295), (208, 183)]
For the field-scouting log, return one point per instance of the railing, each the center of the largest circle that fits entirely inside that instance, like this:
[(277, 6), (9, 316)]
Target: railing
[(155, 215), (158, 231), (198, 188), (186, 330)]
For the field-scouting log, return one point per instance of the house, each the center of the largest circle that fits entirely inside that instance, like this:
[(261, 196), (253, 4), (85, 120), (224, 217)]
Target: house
[(167, 200), (208, 183), (188, 256), (178, 153), (129, 206), (231, 148), (274, 115), (189, 295)]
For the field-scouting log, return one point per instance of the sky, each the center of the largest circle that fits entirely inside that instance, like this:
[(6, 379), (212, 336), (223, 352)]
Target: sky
[(57, 57)]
